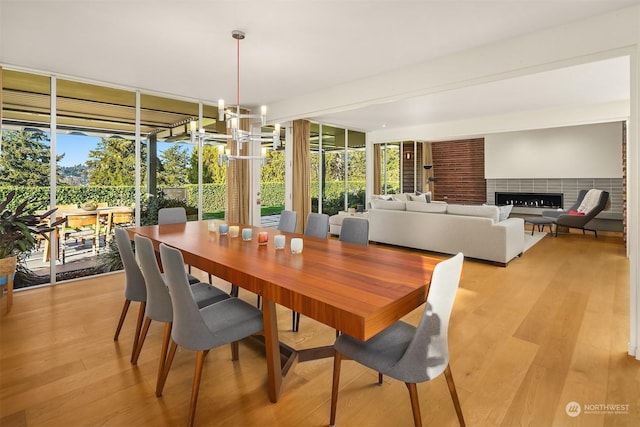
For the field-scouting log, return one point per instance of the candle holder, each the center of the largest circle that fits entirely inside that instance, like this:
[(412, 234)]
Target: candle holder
[(279, 241), (247, 234), (263, 238)]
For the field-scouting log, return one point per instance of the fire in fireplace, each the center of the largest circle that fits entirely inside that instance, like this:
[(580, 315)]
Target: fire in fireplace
[(530, 200)]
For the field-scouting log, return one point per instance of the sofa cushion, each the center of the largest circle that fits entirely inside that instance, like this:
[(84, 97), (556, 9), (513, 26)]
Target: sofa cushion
[(382, 196), (491, 212), (427, 207), (402, 197), (421, 198), (393, 205)]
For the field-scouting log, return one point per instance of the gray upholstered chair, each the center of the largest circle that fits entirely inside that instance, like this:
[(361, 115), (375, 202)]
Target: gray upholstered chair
[(202, 329), (159, 302), (288, 221), (172, 216), (407, 353), (565, 219), (134, 288), (317, 225), (176, 216), (355, 230)]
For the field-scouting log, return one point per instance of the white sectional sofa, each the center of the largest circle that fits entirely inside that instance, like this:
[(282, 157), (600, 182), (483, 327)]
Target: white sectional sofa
[(477, 231)]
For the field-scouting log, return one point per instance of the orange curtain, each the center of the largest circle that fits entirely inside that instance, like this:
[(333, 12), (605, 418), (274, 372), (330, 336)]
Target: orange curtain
[(301, 172), (238, 181), (377, 181)]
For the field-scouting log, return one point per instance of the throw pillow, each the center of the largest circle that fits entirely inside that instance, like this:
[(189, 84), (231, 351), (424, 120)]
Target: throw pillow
[(576, 213), (504, 212), (420, 198)]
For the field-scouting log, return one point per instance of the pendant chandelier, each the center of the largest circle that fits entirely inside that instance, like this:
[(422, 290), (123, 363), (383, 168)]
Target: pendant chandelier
[(232, 116)]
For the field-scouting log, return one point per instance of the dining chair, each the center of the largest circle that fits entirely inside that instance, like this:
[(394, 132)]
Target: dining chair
[(317, 225), (408, 353), (355, 230), (176, 215), (288, 221), (202, 329), (134, 288), (158, 306), (172, 215)]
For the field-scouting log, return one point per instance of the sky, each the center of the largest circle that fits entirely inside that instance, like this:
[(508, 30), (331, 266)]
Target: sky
[(76, 148)]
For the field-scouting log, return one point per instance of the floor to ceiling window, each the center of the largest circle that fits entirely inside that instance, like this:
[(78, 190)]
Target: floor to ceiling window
[(25, 158), (272, 180), (337, 168), (95, 169)]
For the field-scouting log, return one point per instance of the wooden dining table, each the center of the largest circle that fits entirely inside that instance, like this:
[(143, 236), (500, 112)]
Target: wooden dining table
[(93, 217), (358, 290)]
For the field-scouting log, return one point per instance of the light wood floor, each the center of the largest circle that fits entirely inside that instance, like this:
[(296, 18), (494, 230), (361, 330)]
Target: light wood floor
[(525, 340)]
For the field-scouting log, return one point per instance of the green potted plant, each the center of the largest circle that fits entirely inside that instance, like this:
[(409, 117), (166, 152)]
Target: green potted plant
[(18, 231)]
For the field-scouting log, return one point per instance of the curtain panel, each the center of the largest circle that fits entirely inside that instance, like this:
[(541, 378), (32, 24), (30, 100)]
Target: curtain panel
[(301, 172)]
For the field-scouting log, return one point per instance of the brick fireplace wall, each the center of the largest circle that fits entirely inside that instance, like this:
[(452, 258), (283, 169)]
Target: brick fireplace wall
[(458, 167)]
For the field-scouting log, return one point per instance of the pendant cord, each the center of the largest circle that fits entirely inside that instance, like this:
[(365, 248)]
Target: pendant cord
[(238, 78)]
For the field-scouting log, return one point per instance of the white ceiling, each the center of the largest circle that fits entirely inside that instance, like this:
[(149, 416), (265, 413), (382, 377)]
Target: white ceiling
[(184, 49)]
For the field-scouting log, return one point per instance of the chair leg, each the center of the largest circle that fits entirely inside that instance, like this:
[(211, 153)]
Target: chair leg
[(234, 291), (380, 377), (165, 370), (454, 394), (337, 362), (210, 282), (138, 348), (196, 385), (163, 356), (136, 338), (235, 350), (415, 404), (125, 308)]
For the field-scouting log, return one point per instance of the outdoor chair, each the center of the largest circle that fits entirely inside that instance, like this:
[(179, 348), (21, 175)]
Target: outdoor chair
[(158, 305), (408, 353), (202, 329), (80, 227)]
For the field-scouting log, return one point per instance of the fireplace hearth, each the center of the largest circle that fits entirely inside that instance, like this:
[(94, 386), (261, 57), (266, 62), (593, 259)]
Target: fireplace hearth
[(530, 200)]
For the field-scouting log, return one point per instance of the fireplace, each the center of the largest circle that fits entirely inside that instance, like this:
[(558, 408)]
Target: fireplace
[(530, 200)]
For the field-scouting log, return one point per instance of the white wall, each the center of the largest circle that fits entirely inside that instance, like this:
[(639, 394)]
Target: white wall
[(587, 151)]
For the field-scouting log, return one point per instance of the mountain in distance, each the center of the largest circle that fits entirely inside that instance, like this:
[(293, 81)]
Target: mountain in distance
[(74, 175)]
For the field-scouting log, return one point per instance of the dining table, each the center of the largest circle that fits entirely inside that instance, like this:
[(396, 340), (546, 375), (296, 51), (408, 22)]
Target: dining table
[(100, 218), (358, 290)]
